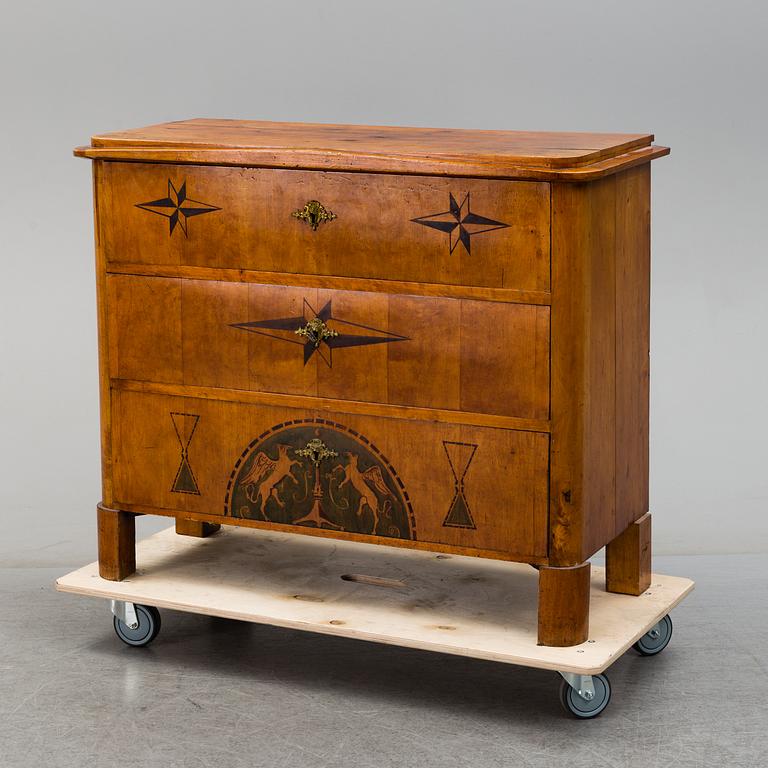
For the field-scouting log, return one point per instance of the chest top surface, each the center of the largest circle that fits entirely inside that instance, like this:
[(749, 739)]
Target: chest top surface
[(440, 151)]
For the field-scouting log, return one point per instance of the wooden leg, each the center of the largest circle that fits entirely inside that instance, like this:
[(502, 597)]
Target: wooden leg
[(563, 605), (628, 559), (117, 543), (195, 528)]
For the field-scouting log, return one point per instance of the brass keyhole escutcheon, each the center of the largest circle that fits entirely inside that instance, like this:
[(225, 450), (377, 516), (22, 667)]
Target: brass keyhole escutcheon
[(314, 213), (316, 331)]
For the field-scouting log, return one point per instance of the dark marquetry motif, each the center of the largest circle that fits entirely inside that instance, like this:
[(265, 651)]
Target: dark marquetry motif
[(460, 456), (323, 475), (177, 207), (460, 223), (292, 329), (185, 425)]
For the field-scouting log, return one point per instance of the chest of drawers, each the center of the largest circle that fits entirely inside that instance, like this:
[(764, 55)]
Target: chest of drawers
[(435, 339)]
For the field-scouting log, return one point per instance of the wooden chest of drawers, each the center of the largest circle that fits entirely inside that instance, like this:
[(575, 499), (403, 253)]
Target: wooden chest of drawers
[(426, 338)]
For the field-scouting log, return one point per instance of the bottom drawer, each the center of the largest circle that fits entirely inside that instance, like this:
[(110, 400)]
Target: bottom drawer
[(362, 477)]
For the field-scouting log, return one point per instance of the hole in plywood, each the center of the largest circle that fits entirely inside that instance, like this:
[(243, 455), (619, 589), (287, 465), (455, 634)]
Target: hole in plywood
[(374, 581)]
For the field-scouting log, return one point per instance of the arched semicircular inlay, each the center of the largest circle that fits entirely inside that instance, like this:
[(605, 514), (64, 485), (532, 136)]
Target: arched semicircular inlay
[(319, 474)]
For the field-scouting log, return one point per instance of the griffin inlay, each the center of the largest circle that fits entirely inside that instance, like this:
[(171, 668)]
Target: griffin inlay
[(185, 425), (318, 335), (459, 222), (177, 207), (319, 474), (460, 456)]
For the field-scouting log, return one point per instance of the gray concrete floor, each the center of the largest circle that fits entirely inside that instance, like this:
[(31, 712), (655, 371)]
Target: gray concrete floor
[(213, 692)]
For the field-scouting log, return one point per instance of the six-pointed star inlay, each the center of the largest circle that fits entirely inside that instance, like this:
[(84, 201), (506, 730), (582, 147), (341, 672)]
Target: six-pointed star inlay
[(177, 207), (285, 328), (459, 222)]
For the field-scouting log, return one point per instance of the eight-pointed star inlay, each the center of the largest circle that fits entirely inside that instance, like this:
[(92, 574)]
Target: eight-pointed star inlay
[(177, 207), (459, 222), (285, 329)]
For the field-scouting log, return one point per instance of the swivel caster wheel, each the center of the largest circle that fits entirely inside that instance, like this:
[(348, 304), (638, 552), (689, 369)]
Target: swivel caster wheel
[(656, 639), (146, 629), (585, 701)]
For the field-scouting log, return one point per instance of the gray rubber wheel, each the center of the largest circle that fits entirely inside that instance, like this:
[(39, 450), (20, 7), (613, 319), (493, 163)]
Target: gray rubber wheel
[(581, 708), (656, 639), (145, 633)]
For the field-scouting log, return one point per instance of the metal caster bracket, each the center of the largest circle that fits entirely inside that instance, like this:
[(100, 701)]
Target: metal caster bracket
[(582, 684), (655, 632), (126, 612)]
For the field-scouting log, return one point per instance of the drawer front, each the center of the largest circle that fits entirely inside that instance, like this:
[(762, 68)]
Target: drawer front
[(456, 354), (473, 232), (478, 488)]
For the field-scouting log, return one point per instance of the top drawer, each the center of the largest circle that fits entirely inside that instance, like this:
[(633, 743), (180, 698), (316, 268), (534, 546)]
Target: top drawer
[(455, 231)]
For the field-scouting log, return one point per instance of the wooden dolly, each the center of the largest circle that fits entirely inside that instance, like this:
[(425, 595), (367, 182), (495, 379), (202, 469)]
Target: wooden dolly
[(467, 606)]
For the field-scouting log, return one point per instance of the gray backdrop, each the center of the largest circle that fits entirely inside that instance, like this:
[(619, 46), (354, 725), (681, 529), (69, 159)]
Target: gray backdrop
[(691, 72)]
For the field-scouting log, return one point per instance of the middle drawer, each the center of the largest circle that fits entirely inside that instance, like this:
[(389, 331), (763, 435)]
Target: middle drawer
[(434, 352)]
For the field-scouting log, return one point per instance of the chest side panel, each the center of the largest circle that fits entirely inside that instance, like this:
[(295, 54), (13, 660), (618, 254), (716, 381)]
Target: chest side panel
[(600, 361)]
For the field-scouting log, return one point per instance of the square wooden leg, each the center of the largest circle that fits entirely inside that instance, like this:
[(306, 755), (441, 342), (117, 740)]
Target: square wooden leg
[(564, 605), (195, 528), (117, 543), (628, 559)]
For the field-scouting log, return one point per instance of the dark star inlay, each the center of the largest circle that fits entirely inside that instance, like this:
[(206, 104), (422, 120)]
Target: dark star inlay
[(459, 222), (285, 329), (177, 207)]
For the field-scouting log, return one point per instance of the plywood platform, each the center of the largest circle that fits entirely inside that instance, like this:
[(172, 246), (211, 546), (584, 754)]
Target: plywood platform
[(461, 605)]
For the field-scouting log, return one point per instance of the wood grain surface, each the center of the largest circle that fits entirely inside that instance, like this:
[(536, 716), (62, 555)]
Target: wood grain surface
[(628, 559), (384, 149), (405, 287), (374, 234), (600, 362), (502, 474), (116, 531), (563, 615), (466, 606), (482, 357)]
